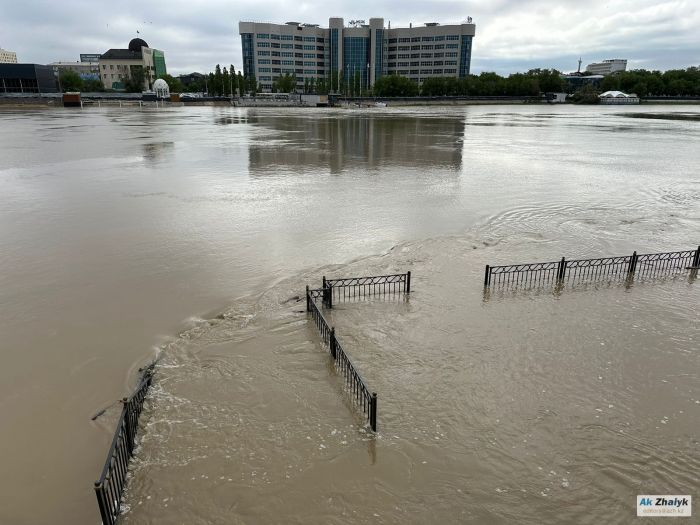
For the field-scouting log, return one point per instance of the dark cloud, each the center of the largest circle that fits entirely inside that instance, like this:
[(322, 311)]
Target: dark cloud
[(512, 35)]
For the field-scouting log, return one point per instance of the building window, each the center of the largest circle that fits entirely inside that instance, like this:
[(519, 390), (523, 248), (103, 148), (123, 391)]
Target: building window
[(426, 47), (264, 61), (439, 38), (263, 53), (262, 35), (274, 37), (426, 63), (404, 48), (264, 70), (275, 53), (452, 37), (404, 39), (426, 55), (319, 40), (298, 39), (287, 54), (415, 48), (263, 44), (452, 54), (287, 37), (415, 39), (451, 46), (428, 39)]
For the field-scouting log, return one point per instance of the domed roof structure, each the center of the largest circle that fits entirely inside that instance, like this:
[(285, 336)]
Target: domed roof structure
[(136, 44), (161, 89)]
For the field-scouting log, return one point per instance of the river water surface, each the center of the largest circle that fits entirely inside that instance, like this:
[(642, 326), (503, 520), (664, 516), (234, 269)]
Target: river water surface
[(189, 234)]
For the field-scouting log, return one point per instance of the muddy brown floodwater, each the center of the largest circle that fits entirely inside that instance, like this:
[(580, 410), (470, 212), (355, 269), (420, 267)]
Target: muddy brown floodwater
[(189, 233)]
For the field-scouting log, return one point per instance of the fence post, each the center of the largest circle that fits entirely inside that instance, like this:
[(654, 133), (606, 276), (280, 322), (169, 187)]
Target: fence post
[(487, 276), (562, 269), (408, 282), (332, 344), (373, 412), (308, 306), (101, 502), (127, 425), (633, 263), (696, 259)]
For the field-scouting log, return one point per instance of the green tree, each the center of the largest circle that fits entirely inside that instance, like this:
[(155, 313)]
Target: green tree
[(134, 83), (284, 84), (395, 86), (92, 86), (173, 83), (70, 81)]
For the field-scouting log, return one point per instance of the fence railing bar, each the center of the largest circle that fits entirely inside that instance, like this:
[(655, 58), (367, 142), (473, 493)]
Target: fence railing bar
[(593, 268), (110, 485)]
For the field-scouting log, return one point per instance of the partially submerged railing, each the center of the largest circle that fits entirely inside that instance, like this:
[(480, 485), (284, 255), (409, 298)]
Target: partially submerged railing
[(351, 288), (362, 396), (627, 266), (343, 289), (110, 486)]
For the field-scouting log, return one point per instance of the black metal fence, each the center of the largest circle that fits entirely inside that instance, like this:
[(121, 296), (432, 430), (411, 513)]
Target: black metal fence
[(351, 288), (110, 486), (625, 267), (366, 400), (348, 289)]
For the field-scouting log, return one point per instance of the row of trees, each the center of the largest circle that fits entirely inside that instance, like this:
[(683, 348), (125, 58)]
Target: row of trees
[(675, 82), (226, 82)]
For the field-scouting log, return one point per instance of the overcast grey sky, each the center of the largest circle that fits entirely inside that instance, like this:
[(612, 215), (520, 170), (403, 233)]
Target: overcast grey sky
[(511, 35)]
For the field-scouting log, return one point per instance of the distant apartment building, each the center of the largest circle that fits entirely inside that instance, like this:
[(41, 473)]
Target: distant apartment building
[(7, 57), (369, 51), (607, 67), (117, 65)]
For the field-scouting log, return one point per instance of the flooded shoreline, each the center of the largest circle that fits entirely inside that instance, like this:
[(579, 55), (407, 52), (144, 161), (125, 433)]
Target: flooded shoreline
[(120, 229)]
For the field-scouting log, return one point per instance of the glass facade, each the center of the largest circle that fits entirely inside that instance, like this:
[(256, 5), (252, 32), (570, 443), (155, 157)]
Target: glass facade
[(159, 63), (335, 66), (356, 59), (379, 54), (465, 56), (247, 46)]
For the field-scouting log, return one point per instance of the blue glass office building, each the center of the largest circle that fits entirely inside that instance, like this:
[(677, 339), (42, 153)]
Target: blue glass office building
[(359, 54)]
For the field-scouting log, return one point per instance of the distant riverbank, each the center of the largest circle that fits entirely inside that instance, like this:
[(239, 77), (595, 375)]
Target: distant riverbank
[(27, 100)]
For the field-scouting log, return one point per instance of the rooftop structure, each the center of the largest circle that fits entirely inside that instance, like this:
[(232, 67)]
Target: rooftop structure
[(607, 67), (618, 97), (361, 53)]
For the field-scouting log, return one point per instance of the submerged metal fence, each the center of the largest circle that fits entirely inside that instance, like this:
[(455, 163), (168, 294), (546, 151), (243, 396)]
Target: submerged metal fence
[(110, 486), (346, 289), (627, 266), (362, 396)]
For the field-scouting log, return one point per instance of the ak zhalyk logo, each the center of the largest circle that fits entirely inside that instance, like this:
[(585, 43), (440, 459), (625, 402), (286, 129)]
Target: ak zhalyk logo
[(669, 506)]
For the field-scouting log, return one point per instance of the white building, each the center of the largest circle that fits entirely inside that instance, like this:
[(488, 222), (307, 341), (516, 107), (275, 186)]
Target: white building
[(618, 97), (7, 57), (607, 67), (365, 52)]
